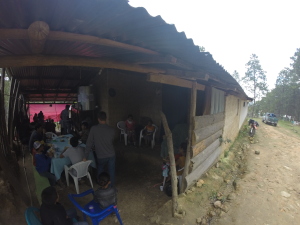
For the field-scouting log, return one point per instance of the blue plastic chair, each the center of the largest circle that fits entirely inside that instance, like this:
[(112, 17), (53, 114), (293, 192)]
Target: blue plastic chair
[(31, 218), (98, 214)]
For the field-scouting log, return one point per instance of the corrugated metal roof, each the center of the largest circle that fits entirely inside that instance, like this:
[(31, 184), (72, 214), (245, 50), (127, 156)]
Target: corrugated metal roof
[(111, 19)]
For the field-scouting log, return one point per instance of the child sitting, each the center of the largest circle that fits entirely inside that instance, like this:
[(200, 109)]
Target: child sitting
[(130, 129), (105, 195), (85, 132), (43, 162), (180, 162), (53, 213), (75, 153), (149, 129)]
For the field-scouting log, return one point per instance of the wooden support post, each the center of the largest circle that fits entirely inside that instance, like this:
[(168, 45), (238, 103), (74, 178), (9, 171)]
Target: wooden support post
[(13, 112), (192, 114), (2, 81), (172, 164), (37, 33)]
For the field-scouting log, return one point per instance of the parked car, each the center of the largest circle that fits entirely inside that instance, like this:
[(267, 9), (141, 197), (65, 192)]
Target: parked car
[(270, 118)]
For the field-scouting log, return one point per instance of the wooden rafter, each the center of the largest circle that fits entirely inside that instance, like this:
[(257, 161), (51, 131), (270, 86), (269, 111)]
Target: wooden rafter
[(165, 79), (42, 60), (66, 36), (161, 59), (199, 75)]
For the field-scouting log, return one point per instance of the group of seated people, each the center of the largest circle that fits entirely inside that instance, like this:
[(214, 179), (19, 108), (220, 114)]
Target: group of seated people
[(53, 213), (42, 157), (131, 129)]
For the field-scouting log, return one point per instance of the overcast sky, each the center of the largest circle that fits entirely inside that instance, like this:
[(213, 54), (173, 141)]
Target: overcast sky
[(231, 30)]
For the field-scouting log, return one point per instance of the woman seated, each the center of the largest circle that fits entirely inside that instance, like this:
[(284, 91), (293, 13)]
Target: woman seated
[(148, 135), (130, 130)]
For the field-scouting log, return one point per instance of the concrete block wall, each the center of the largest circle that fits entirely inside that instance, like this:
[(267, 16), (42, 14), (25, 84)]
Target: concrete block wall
[(232, 120), (134, 95), (244, 111)]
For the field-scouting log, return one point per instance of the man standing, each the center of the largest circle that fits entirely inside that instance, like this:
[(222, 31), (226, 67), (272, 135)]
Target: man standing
[(101, 136), (65, 120)]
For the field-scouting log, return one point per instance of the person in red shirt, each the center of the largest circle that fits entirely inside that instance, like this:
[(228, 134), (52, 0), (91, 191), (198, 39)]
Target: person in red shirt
[(130, 129)]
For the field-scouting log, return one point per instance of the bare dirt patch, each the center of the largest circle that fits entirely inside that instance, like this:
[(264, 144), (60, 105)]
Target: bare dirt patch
[(270, 191)]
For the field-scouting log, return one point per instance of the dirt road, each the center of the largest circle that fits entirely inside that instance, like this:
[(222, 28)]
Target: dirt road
[(269, 193)]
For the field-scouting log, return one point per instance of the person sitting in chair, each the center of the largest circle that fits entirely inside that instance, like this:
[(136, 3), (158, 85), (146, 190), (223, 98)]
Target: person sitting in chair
[(84, 134), (105, 195), (75, 153), (180, 161), (149, 129), (130, 130), (53, 213)]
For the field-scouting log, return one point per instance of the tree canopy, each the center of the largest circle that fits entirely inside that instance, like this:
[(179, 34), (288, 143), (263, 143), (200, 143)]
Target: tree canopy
[(255, 81), (284, 99)]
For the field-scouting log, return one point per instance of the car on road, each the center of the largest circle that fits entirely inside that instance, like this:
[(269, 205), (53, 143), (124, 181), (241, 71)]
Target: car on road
[(270, 118)]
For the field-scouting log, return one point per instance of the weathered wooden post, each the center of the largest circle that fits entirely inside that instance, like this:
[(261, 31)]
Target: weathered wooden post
[(192, 114), (172, 164)]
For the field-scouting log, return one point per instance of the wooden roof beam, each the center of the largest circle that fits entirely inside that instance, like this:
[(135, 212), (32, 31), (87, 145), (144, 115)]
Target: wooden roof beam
[(45, 92), (175, 81), (66, 36), (161, 59), (199, 75), (51, 60)]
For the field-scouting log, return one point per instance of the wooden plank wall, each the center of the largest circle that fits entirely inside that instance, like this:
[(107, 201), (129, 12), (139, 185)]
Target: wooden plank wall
[(206, 144)]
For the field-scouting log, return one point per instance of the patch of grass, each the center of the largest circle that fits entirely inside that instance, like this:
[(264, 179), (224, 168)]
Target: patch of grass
[(213, 195), (226, 153), (289, 127)]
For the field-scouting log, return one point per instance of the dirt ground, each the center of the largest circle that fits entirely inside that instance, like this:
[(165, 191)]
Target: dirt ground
[(269, 193), (245, 187), (251, 188)]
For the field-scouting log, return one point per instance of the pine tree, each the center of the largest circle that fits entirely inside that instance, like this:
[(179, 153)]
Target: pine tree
[(255, 79)]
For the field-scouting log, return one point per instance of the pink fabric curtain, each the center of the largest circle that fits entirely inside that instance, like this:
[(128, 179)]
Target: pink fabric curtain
[(48, 111)]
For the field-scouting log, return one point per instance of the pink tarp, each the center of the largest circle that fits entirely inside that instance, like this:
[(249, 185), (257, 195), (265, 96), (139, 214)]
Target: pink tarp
[(48, 111)]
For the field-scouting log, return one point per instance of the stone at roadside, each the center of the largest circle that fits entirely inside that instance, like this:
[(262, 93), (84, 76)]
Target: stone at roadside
[(199, 183), (225, 208), (188, 192), (257, 152), (285, 194), (203, 222), (288, 168), (215, 176), (212, 213), (218, 204), (193, 189), (235, 185), (231, 196), (217, 165), (198, 220), (155, 219)]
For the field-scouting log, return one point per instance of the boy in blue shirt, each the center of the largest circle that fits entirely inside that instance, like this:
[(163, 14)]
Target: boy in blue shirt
[(43, 162)]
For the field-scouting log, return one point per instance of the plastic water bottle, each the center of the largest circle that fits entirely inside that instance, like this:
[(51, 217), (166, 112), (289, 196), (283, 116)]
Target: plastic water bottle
[(91, 208)]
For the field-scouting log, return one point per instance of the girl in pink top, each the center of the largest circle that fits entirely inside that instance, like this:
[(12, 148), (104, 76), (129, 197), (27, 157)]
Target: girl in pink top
[(130, 129)]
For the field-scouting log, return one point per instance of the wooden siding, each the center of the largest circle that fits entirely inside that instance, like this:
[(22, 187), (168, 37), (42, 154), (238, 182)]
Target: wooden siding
[(200, 146), (206, 144), (205, 165)]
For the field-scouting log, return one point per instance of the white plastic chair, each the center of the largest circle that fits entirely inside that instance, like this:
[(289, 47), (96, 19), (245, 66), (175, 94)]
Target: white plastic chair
[(50, 135), (153, 136), (81, 169), (122, 127)]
